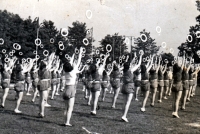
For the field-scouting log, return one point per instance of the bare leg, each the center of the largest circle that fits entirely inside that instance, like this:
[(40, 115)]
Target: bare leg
[(86, 92), (5, 94), (20, 96), (69, 109), (35, 94), (46, 104), (153, 96), (145, 100), (43, 101), (166, 91), (185, 92), (104, 93), (116, 93), (189, 93), (128, 99), (160, 94), (53, 92), (177, 97), (28, 88), (95, 97), (136, 93), (90, 97)]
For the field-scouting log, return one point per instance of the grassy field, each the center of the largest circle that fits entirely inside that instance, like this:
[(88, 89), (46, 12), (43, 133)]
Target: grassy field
[(107, 121)]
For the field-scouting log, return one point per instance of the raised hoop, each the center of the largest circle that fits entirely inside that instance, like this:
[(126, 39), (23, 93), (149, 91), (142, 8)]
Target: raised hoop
[(16, 46), (61, 47), (158, 29), (10, 53), (144, 40), (37, 42), (123, 57), (85, 41), (64, 30), (171, 50), (147, 58), (141, 52), (97, 59), (46, 53), (60, 43), (6, 59), (1, 41), (34, 52), (60, 53), (52, 40), (88, 61), (102, 56), (198, 34), (164, 44), (84, 50), (173, 62), (83, 55), (67, 56), (20, 53), (120, 60), (3, 51), (76, 51), (189, 40), (108, 46), (88, 16), (127, 40), (41, 46), (37, 56), (166, 61), (97, 51), (13, 51), (28, 60), (144, 60)]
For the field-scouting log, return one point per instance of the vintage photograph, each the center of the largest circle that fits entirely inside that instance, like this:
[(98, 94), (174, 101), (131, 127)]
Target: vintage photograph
[(99, 66)]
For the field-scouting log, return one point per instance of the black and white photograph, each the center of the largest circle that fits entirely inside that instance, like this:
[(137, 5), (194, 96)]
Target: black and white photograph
[(99, 66)]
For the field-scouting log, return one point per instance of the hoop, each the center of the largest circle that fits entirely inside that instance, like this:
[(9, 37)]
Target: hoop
[(2, 41), (6, 55), (67, 56), (34, 52), (61, 47), (76, 51), (166, 61), (108, 50), (13, 51), (144, 60), (60, 53), (127, 40), (6, 59), (84, 50), (37, 42), (189, 39), (41, 46), (171, 50), (16, 46), (198, 34), (109, 66), (158, 29), (97, 51), (64, 29), (164, 44), (88, 11), (102, 56), (91, 59), (175, 59), (120, 60), (37, 56), (88, 32), (46, 53), (83, 55), (3, 51), (85, 41), (173, 62), (23, 60), (147, 58), (123, 57), (10, 53), (97, 59), (60, 43), (28, 59), (141, 52), (52, 40), (144, 40), (20, 53)]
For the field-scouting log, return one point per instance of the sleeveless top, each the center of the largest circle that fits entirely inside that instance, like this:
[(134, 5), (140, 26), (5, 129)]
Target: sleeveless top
[(58, 75), (20, 76), (45, 74), (166, 75), (54, 75), (128, 77), (28, 74), (115, 74), (177, 76), (96, 76), (185, 75), (160, 75), (153, 74), (105, 78), (6, 75), (35, 75), (145, 76)]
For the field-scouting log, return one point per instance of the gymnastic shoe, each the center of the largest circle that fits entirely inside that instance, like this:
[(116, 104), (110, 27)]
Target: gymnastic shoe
[(124, 119), (17, 111), (47, 105), (175, 115), (142, 109), (93, 113)]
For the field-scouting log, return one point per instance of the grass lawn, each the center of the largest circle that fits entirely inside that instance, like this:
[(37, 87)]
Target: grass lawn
[(107, 121)]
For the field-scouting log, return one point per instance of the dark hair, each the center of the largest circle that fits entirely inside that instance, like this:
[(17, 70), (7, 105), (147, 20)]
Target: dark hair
[(42, 65), (176, 68), (18, 68), (115, 68), (104, 73), (93, 68), (126, 66), (67, 67)]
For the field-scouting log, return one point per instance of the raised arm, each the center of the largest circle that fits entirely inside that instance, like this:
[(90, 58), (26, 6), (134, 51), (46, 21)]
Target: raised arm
[(149, 67), (138, 65)]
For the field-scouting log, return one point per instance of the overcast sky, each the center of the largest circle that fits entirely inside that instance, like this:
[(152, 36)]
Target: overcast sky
[(126, 17)]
